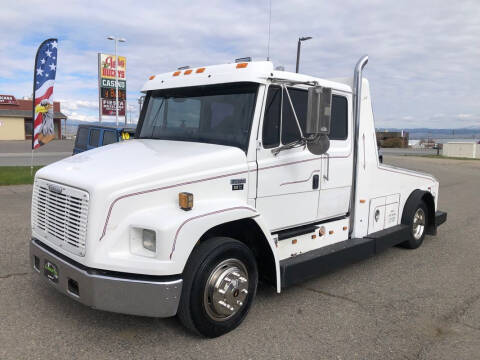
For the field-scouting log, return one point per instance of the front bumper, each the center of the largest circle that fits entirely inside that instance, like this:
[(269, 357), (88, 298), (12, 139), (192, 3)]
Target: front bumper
[(110, 291)]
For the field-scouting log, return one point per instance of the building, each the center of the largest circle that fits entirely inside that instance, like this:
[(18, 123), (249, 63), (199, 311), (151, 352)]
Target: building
[(16, 118), (462, 149), (392, 138)]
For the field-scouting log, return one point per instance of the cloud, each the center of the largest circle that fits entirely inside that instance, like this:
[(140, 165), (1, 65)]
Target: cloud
[(423, 60)]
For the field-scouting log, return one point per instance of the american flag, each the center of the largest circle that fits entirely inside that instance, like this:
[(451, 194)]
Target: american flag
[(44, 79)]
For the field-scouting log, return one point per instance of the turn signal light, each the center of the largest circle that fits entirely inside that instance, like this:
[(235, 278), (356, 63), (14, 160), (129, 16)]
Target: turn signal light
[(242, 65), (185, 201), (322, 231), (362, 201), (176, 73), (330, 232)]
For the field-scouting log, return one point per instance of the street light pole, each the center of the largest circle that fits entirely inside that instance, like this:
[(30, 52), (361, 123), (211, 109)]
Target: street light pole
[(300, 39), (116, 75)]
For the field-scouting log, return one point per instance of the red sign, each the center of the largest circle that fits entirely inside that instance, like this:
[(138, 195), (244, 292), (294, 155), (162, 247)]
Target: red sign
[(8, 100), (108, 107)]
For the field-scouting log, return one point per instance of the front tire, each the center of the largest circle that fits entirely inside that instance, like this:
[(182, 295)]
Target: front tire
[(220, 282), (417, 221)]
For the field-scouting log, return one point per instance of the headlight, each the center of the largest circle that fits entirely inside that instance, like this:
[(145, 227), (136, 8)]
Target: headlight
[(149, 240)]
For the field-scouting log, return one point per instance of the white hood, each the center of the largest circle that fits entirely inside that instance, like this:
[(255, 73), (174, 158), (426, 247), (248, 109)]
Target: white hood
[(144, 161)]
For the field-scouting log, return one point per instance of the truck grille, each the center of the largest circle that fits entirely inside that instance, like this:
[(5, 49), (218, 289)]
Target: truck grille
[(59, 215)]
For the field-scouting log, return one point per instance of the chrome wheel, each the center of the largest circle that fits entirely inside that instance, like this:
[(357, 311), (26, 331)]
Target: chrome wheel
[(418, 226), (226, 290)]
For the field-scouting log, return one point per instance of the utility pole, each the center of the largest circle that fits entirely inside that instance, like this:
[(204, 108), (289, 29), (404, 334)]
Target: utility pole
[(115, 39)]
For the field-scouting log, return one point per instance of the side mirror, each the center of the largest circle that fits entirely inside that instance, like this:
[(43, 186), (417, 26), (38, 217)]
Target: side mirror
[(318, 119)]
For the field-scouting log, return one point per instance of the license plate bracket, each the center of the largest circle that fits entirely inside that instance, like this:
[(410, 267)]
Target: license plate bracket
[(51, 271)]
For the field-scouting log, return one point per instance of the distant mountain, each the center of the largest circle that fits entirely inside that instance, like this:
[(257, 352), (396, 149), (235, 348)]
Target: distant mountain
[(72, 125), (472, 132)]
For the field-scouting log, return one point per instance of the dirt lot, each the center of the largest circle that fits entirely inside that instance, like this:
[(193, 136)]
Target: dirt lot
[(421, 304)]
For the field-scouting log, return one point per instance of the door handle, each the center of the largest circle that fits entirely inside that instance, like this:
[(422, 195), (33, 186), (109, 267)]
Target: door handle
[(315, 182), (327, 177)]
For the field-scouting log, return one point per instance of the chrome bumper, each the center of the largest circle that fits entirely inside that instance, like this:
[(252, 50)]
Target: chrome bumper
[(109, 291)]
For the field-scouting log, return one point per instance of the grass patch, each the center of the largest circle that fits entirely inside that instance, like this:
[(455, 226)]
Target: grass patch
[(17, 175)]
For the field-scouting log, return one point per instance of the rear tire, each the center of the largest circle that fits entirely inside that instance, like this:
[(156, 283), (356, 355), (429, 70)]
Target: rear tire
[(417, 221), (219, 284)]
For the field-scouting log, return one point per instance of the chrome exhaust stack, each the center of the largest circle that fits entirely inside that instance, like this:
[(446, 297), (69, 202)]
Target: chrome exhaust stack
[(357, 88)]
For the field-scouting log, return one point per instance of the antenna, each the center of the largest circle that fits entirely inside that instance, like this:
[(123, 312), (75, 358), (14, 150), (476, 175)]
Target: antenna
[(269, 23)]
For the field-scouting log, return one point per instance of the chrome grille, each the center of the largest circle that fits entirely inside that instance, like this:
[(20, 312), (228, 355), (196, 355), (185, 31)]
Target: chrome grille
[(59, 215)]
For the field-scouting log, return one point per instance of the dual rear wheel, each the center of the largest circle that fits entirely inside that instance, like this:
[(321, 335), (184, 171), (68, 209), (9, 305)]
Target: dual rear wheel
[(417, 221)]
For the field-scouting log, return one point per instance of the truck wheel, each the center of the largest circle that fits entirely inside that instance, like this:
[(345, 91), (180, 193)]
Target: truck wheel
[(219, 284), (418, 225)]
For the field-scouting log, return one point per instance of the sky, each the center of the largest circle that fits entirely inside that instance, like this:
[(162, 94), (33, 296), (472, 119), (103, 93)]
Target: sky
[(424, 56)]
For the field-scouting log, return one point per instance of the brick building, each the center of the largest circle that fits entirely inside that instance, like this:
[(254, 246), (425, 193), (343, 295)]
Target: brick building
[(16, 118)]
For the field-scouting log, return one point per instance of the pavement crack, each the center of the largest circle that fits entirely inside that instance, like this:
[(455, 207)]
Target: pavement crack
[(6, 276), (335, 296)]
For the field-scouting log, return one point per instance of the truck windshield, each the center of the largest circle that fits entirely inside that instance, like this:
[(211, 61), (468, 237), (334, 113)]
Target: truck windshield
[(218, 114)]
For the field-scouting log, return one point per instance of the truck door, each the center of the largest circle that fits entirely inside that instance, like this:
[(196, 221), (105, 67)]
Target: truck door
[(336, 181), (288, 183)]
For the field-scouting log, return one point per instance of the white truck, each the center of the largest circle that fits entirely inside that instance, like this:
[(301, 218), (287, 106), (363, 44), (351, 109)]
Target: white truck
[(238, 173)]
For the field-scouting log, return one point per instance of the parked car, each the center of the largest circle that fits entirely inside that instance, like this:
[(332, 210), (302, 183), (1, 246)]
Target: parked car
[(93, 136)]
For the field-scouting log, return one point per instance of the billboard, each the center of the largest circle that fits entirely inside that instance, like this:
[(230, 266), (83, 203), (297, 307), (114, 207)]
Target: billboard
[(106, 84)]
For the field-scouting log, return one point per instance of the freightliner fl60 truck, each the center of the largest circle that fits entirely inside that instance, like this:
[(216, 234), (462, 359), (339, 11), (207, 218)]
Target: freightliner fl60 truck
[(239, 173)]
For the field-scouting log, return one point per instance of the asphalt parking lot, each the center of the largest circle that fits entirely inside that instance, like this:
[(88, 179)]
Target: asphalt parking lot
[(402, 304)]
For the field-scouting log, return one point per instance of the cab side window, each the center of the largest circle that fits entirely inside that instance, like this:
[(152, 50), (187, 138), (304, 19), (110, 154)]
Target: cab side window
[(271, 120), (276, 121), (339, 122), (290, 130)]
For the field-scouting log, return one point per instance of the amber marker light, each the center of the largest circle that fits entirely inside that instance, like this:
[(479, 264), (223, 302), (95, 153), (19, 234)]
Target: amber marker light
[(294, 241), (200, 70), (242, 65), (322, 231), (188, 72), (151, 77), (176, 73), (330, 232), (362, 201), (185, 201)]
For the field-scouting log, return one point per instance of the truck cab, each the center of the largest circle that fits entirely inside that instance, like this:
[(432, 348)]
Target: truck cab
[(238, 173)]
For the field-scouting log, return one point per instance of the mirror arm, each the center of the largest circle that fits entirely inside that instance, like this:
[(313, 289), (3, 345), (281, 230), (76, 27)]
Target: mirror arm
[(293, 144)]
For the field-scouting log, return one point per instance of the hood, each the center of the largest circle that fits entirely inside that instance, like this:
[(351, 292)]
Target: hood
[(142, 161)]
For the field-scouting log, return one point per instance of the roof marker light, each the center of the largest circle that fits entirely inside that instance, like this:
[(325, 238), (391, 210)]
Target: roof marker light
[(151, 77), (200, 70), (187, 72), (176, 73), (244, 59), (242, 65)]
